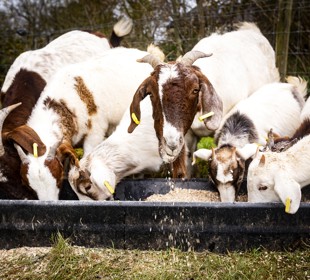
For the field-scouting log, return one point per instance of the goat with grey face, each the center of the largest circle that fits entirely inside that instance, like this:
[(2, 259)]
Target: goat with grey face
[(176, 90), (276, 106)]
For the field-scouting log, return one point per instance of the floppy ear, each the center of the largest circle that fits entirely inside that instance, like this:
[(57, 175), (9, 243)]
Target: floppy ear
[(135, 113), (289, 192), (211, 102), (65, 150), (204, 154), (25, 137), (247, 151)]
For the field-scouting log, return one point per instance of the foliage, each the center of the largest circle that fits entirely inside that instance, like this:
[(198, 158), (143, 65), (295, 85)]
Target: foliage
[(174, 25), (65, 261), (202, 166)]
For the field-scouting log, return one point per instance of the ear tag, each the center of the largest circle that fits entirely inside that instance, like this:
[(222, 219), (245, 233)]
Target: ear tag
[(109, 187), (134, 118), (287, 205), (35, 149), (201, 118)]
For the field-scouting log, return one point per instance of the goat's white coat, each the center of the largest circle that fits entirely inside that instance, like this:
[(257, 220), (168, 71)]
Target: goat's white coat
[(284, 174), (242, 61), (272, 106), (122, 154), (71, 47), (112, 79)]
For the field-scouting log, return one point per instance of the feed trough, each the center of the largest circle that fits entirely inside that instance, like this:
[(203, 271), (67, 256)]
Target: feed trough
[(130, 222)]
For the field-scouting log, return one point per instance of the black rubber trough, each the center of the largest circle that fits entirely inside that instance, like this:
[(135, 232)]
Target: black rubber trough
[(128, 222)]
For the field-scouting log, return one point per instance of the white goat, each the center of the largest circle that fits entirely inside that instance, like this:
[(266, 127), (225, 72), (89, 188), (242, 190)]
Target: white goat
[(71, 47), (82, 104), (120, 155), (276, 177), (242, 62), (276, 106)]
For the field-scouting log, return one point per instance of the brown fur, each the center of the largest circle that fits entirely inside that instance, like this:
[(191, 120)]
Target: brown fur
[(26, 88), (182, 97), (85, 95), (68, 119), (227, 154)]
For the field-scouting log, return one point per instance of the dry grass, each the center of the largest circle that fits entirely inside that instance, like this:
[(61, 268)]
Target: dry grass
[(63, 261)]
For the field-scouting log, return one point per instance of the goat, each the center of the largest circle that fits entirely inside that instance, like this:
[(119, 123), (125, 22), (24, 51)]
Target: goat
[(180, 89), (120, 155), (276, 177), (80, 106), (280, 143), (276, 105), (24, 83)]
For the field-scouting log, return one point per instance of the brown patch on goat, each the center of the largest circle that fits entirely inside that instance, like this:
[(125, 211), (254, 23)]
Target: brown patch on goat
[(56, 168), (67, 117), (26, 88), (25, 136), (179, 169), (228, 157), (85, 95), (85, 186)]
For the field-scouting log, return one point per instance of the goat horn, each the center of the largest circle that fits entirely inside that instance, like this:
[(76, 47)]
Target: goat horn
[(21, 154), (190, 57), (3, 114), (151, 59)]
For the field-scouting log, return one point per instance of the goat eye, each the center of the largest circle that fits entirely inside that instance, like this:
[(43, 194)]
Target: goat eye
[(87, 188), (262, 188)]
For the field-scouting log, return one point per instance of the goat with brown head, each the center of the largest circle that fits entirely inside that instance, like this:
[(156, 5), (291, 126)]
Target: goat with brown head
[(177, 91)]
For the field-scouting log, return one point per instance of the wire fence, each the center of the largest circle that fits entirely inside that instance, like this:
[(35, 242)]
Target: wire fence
[(187, 27)]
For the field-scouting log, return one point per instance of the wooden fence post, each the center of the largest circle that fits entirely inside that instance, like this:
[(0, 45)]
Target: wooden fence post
[(283, 35)]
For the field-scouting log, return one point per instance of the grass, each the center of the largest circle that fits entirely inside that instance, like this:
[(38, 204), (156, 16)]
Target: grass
[(63, 261)]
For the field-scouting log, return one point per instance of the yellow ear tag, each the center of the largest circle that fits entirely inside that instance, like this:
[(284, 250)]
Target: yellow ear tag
[(287, 205), (201, 118), (134, 118), (109, 187), (35, 149)]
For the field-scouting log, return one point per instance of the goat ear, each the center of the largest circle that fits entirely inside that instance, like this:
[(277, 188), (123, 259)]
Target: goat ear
[(65, 150), (211, 102), (25, 137), (289, 192), (204, 154), (247, 151), (135, 113)]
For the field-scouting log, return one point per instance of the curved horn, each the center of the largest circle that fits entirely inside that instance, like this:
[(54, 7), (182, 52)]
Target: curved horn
[(21, 154), (3, 114), (151, 59), (190, 57)]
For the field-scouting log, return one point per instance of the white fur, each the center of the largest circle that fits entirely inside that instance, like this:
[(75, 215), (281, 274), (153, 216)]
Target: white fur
[(112, 79), (271, 106), (241, 63), (71, 47), (283, 174), (122, 154)]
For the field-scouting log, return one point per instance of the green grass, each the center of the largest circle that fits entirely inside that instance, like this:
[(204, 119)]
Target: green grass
[(63, 261)]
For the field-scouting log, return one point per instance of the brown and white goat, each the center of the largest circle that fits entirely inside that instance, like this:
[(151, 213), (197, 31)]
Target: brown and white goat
[(177, 90), (79, 107), (242, 61), (24, 83)]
